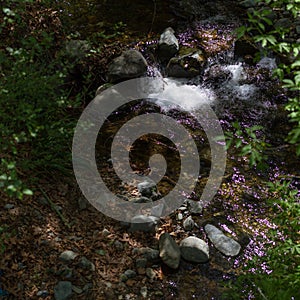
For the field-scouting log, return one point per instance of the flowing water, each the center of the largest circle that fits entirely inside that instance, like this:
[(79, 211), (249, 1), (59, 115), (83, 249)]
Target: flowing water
[(236, 92)]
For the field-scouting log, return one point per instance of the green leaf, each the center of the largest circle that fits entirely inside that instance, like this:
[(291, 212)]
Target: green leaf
[(262, 26), (28, 192), (295, 64)]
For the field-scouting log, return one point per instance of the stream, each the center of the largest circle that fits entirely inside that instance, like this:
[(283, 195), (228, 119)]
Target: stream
[(236, 91)]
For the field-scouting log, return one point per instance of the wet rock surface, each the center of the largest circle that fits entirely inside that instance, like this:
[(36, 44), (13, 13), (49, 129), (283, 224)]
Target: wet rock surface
[(167, 45), (131, 64)]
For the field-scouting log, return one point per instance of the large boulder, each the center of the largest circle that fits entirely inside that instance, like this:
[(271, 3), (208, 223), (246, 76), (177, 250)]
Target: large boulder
[(169, 251), (168, 45), (223, 243), (130, 64), (188, 63), (194, 250)]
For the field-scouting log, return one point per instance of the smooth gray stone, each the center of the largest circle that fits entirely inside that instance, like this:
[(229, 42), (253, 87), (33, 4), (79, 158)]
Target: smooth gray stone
[(194, 250), (223, 243)]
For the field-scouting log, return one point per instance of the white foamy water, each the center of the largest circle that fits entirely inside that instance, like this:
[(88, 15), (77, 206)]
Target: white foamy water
[(245, 91), (237, 72), (267, 63), (178, 93)]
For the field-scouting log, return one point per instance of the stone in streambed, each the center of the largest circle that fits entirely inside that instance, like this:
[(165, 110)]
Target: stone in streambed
[(188, 223), (168, 45), (223, 243), (143, 223), (194, 250), (169, 251), (130, 64), (188, 63)]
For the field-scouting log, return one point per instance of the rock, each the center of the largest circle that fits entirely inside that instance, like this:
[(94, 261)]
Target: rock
[(63, 290), (168, 45), (142, 200), (118, 245), (152, 255), (42, 294), (82, 203), (86, 264), (131, 64), (130, 273), (187, 64), (143, 223), (194, 250), (144, 291), (9, 206), (179, 216), (123, 278), (147, 188), (77, 48), (150, 273), (188, 224), (67, 256), (157, 210), (224, 244), (169, 251), (141, 263), (105, 232), (248, 3), (195, 207)]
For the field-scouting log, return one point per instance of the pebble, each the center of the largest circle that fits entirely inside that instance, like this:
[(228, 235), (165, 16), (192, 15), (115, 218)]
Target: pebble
[(68, 256), (130, 273), (105, 232), (188, 224), (150, 273), (42, 294), (144, 291), (141, 263), (86, 264), (9, 206)]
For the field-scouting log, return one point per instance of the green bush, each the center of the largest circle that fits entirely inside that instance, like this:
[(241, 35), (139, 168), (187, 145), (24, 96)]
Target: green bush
[(249, 144), (269, 37), (36, 126)]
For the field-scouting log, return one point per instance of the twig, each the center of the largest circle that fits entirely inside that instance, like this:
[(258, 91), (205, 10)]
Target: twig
[(55, 209), (153, 16)]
